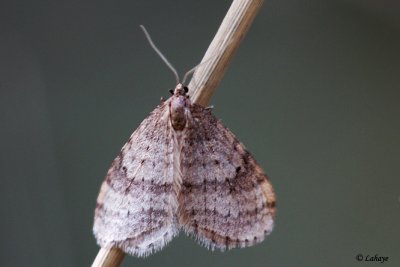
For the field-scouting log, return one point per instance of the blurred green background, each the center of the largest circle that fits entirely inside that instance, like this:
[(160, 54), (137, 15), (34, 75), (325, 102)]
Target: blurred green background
[(313, 92)]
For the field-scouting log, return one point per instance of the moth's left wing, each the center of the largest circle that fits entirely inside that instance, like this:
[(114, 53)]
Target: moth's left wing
[(137, 203)]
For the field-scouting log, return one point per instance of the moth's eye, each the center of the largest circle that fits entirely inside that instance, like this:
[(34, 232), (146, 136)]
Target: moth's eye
[(171, 91), (186, 89)]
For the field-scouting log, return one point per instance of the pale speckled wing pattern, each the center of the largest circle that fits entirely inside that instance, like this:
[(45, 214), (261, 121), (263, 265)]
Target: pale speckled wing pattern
[(182, 169), (226, 199), (137, 204)]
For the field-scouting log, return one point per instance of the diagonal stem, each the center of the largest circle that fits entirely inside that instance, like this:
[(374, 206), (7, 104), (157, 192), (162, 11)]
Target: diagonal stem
[(222, 48)]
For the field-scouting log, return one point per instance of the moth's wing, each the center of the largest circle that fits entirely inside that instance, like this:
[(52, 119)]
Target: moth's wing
[(137, 203), (226, 200)]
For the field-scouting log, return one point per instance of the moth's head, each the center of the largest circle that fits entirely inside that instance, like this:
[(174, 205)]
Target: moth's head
[(180, 90)]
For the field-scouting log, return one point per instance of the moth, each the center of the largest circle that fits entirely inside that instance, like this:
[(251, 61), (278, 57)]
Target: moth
[(181, 169)]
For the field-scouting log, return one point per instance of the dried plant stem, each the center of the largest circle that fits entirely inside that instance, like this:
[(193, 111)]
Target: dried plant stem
[(221, 50), (108, 258), (206, 78)]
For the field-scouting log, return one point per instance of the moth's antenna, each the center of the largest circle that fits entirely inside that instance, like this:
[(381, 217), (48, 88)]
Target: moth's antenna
[(160, 54), (194, 69), (204, 62), (190, 72)]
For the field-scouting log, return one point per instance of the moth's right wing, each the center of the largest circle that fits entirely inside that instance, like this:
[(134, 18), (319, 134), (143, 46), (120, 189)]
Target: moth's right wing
[(136, 206), (226, 199)]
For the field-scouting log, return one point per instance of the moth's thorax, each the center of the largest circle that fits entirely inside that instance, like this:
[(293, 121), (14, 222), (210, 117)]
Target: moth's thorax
[(178, 106)]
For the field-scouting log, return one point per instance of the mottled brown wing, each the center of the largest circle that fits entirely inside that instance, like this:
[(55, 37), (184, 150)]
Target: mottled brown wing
[(226, 200), (136, 207)]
